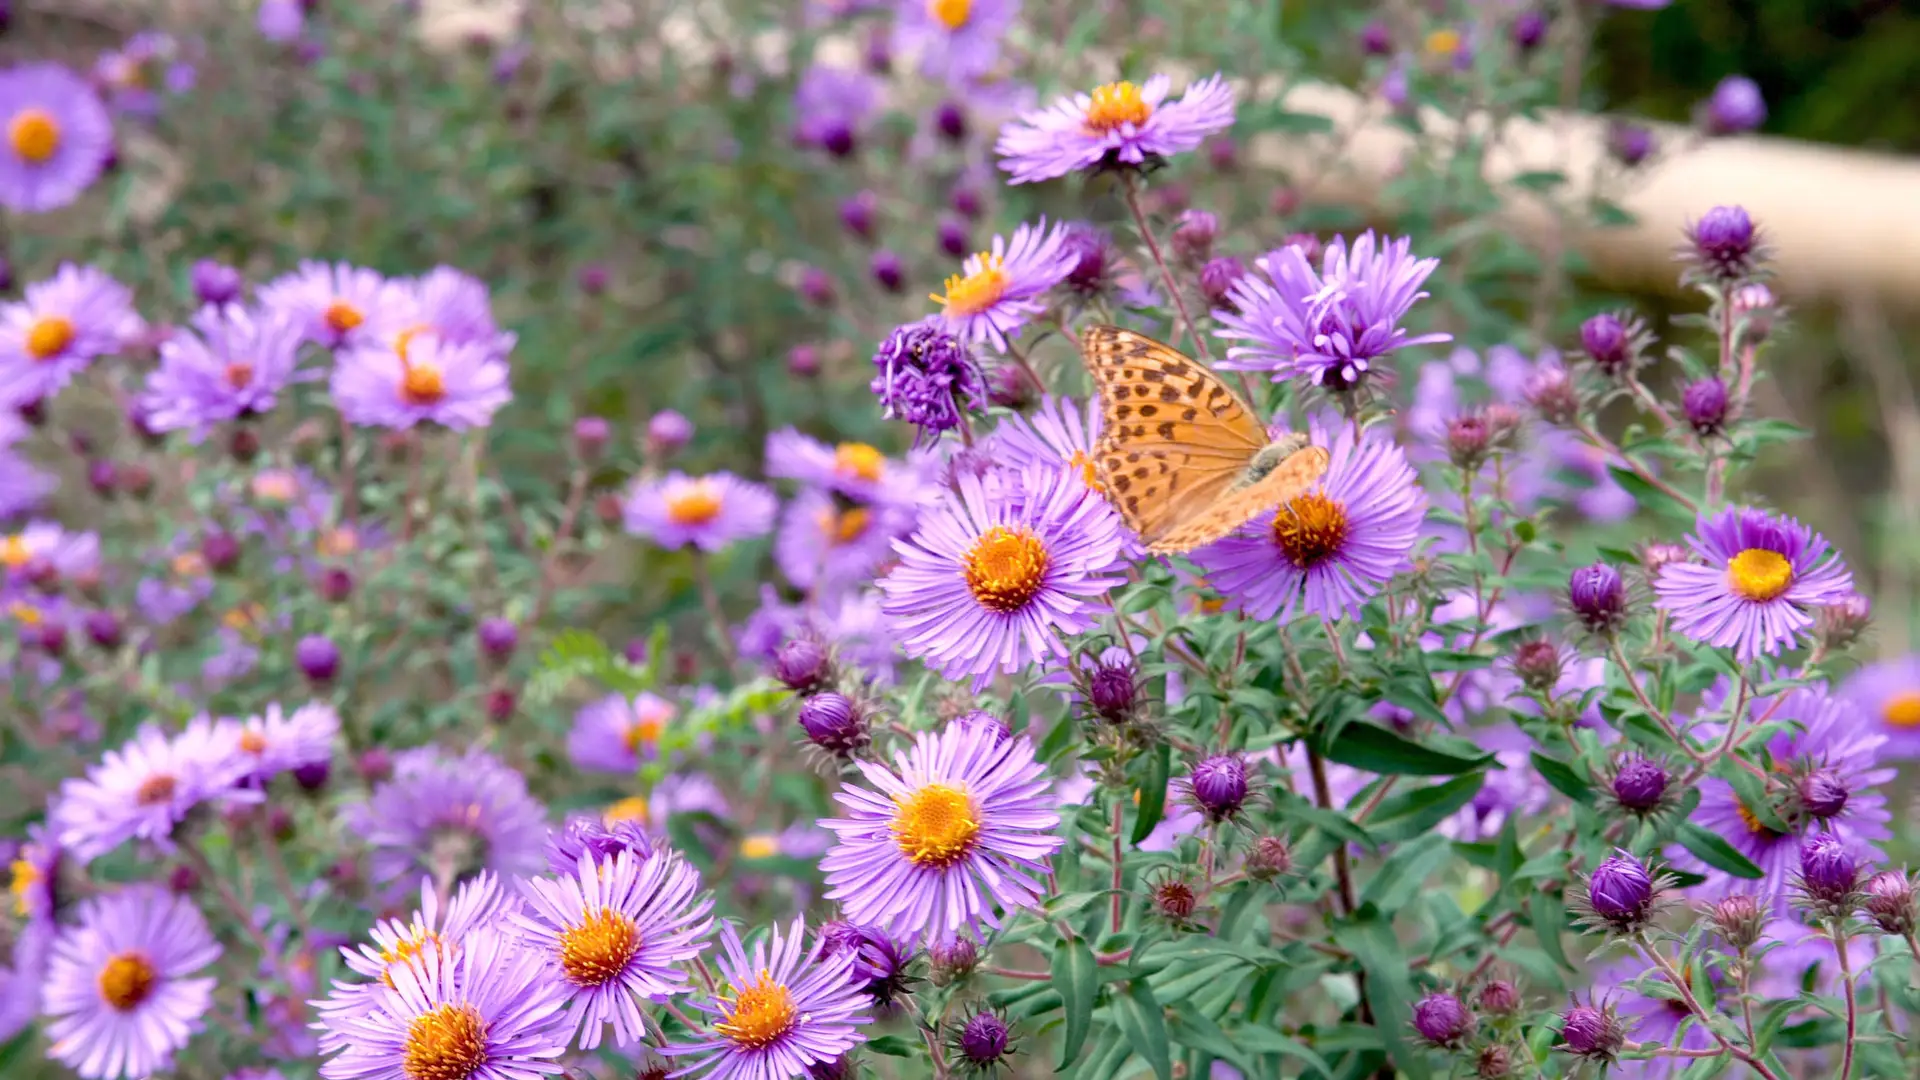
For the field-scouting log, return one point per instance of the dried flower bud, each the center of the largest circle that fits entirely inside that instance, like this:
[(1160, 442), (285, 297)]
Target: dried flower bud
[(1620, 892), (1591, 1032), (1499, 998), (1443, 1020), (1269, 859), (1739, 919), (1468, 440), (834, 723), (1218, 278), (1219, 785), (802, 665), (1889, 902), (1174, 899), (1494, 1063), (1840, 624), (1538, 664), (1598, 596), (953, 960), (1640, 784), (1705, 404)]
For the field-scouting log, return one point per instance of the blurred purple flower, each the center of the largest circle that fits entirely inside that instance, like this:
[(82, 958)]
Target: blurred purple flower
[(57, 328), (234, 366), (955, 40), (708, 512), (1117, 124), (831, 106), (58, 136)]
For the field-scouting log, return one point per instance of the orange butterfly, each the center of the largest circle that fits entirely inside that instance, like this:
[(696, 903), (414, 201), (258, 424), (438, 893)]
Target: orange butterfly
[(1181, 456)]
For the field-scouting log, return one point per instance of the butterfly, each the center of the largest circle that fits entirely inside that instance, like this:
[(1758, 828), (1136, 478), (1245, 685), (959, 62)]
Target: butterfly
[(1180, 455)]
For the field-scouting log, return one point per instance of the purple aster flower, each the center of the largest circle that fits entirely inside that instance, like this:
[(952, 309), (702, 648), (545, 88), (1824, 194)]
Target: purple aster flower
[(616, 733), (1512, 790), (489, 1010), (135, 74), (586, 837), (57, 329), (1060, 434), (341, 305), (456, 384), (22, 982), (1327, 327), (989, 584), (35, 872), (781, 1013), (1736, 106), (1887, 695), (928, 377), (880, 962), (118, 989), (1761, 573), (1118, 124), (1799, 955), (615, 934), (823, 547), (22, 486), (142, 790), (855, 470), (234, 367), (281, 21), (437, 925), (278, 741), (961, 824), (708, 512), (831, 105), (58, 136), (216, 283), (1331, 548), (956, 40), (44, 553), (452, 306), (998, 291), (442, 813)]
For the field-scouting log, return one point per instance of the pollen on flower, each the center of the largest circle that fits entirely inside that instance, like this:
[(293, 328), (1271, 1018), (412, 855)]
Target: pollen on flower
[(1116, 104), (1902, 709), (631, 808), (952, 14), (845, 526), (239, 376), (422, 383), (971, 294), (1759, 574), (1006, 568), (1309, 529), (49, 336), (34, 135), (127, 980), (859, 460), (449, 1043), (761, 1013), (1089, 472), (1752, 821), (156, 789), (342, 317), (419, 941), (599, 948), (25, 614), (936, 826), (695, 504)]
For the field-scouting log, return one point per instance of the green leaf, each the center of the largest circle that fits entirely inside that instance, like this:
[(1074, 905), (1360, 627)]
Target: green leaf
[(1152, 792), (1416, 696), (1399, 878), (1542, 180), (1191, 1027), (1644, 493), (1711, 848), (1411, 813), (1377, 749), (1331, 822), (1549, 918), (1562, 778), (1076, 977), (893, 1046), (1145, 1026), (1389, 992), (1265, 1041)]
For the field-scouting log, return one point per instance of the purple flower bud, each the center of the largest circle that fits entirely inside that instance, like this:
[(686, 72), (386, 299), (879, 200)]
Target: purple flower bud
[(802, 665), (857, 214), (1630, 144), (1443, 1020), (635, 652), (1092, 258), (335, 585), (1499, 998), (592, 278), (803, 360), (1724, 242), (104, 629), (1529, 30), (590, 436), (1657, 555), (221, 550), (879, 961), (966, 201), (836, 138), (318, 657), (834, 723), (183, 879), (996, 729), (816, 285), (215, 283), (1010, 388), (1736, 106), (667, 432), (588, 837), (983, 1041), (1598, 596), (1620, 891), (950, 119), (1608, 343), (1538, 664), (1828, 873), (1841, 623), (1218, 278), (6, 274), (1890, 903), (1193, 235), (498, 637), (1640, 784), (953, 960), (953, 238), (374, 765), (1268, 859), (1740, 920), (1376, 39), (1705, 404), (51, 638), (887, 270), (1219, 785), (103, 478), (243, 444), (1468, 441), (1114, 686), (1223, 153), (1552, 394), (500, 704), (1822, 793), (1591, 1032), (313, 775)]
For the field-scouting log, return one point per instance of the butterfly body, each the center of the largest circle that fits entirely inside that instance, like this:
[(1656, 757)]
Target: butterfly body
[(1180, 455)]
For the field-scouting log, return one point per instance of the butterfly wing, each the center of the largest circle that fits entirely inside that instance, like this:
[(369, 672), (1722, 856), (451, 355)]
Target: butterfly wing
[(1289, 480), (1175, 438)]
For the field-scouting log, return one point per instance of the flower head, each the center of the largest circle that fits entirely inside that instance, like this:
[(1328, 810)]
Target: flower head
[(831, 106), (118, 987), (617, 933), (426, 380), (1218, 786), (1443, 1020), (1330, 548), (1886, 697), (956, 40), (439, 924), (982, 1044), (782, 1013), (145, 788), (275, 740), (1590, 1030), (1061, 434), (1326, 326), (1640, 784), (341, 305), (587, 837), (1621, 892), (1888, 899), (1598, 596), (997, 291), (880, 964), (616, 733), (1117, 124), (928, 377), (827, 544), (1724, 243), (1759, 576), (55, 136), (854, 470), (987, 582), (234, 366), (59, 327), (469, 812), (708, 512), (833, 723), (962, 823)]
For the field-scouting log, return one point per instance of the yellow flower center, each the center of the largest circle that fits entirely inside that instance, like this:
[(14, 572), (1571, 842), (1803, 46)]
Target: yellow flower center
[(1759, 574), (239, 376), (953, 14), (342, 317), (1005, 568), (405, 338), (631, 808), (936, 826), (35, 135), (48, 337), (762, 1013), (253, 742), (1115, 104), (1752, 821), (1902, 709), (26, 877), (859, 461), (695, 504), (449, 1043), (422, 384), (14, 553), (845, 527), (407, 948), (155, 789), (1310, 529), (974, 293), (1443, 42), (598, 950), (127, 980), (760, 846), (645, 729), (1088, 471)]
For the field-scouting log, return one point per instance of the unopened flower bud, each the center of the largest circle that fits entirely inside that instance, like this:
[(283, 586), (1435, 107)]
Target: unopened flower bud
[(1218, 278), (1219, 785), (888, 272), (1591, 1032), (590, 437), (1443, 1020), (335, 585), (1174, 899), (1598, 596), (1113, 689), (1829, 874), (1194, 234), (1740, 920), (244, 444), (816, 286), (1538, 664), (136, 480), (802, 665), (1093, 258), (280, 823), (183, 879), (834, 723), (1822, 793), (1010, 388), (1736, 106), (1620, 892), (803, 360), (498, 638), (593, 278), (950, 119), (1499, 998), (1658, 555), (667, 432), (374, 765), (104, 629), (1529, 30), (1889, 902), (857, 213), (1608, 342), (221, 550), (1223, 153), (1269, 859), (953, 238), (500, 704), (1724, 243), (1841, 623), (313, 775), (1705, 405), (1630, 144), (953, 960), (966, 201), (1640, 784), (215, 283), (1494, 1063), (1552, 394), (103, 478), (1376, 39), (318, 658), (1753, 303), (983, 1041)]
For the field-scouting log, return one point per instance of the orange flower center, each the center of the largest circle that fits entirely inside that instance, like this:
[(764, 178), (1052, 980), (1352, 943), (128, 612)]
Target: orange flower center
[(645, 729), (35, 135), (127, 980), (1115, 104), (155, 789), (761, 1014), (860, 461), (342, 317), (239, 376), (760, 846), (189, 564), (1759, 574), (14, 553), (26, 877), (845, 527), (449, 1043), (1310, 528), (952, 14), (1006, 568), (598, 950), (973, 293), (48, 337), (631, 808), (1902, 709), (422, 383), (1443, 42), (339, 541), (407, 948), (936, 826), (695, 504), (405, 338)]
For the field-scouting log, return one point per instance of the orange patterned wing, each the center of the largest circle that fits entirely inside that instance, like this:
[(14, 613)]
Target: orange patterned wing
[(1289, 480), (1174, 438)]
